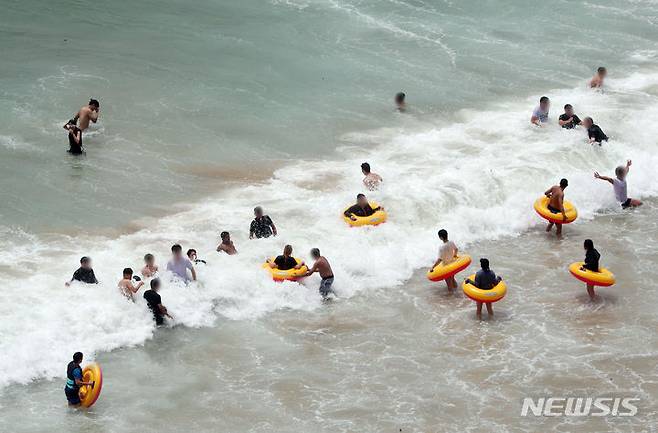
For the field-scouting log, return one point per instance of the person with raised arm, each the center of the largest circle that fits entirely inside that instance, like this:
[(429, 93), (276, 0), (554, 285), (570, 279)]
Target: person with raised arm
[(620, 186)]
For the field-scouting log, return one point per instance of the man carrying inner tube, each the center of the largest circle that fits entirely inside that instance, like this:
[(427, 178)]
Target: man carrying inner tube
[(361, 209), (485, 279), (555, 196), (74, 380)]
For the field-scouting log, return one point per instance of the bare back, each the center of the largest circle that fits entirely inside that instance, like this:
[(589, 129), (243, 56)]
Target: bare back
[(323, 267), (556, 197)]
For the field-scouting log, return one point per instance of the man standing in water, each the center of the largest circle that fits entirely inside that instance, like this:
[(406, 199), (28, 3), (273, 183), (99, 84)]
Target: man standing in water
[(75, 139), (227, 244), (85, 273), (262, 226), (485, 279), (178, 265), (597, 80), (620, 187), (400, 102), (74, 380), (540, 114), (322, 266), (555, 196), (371, 180), (89, 112), (154, 302), (447, 254)]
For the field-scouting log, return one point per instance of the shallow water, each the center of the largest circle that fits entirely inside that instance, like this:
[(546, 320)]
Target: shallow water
[(212, 108)]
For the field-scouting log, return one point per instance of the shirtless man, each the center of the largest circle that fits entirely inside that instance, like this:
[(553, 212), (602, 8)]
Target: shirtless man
[(371, 180), (322, 266), (89, 112), (150, 268), (226, 245), (126, 284), (400, 102), (597, 80), (555, 195)]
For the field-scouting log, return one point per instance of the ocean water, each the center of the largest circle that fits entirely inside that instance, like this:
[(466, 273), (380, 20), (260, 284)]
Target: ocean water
[(209, 109)]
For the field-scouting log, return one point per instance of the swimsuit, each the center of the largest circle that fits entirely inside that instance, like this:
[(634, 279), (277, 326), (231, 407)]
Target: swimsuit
[(325, 286)]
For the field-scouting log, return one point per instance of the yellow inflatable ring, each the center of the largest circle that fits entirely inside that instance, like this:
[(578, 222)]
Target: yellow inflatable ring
[(375, 219), (287, 275), (487, 296), (89, 394), (441, 271), (603, 278), (541, 206)]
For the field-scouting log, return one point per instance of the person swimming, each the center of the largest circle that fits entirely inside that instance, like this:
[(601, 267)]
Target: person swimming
[(323, 267), (555, 196), (568, 120), (285, 261), (74, 380), (485, 279), (227, 244), (592, 257), (400, 102), (594, 132), (447, 254), (371, 180), (620, 187), (361, 209), (540, 113), (597, 80)]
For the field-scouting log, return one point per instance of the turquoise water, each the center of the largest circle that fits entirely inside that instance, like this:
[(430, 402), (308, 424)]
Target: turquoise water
[(211, 108), (186, 89)]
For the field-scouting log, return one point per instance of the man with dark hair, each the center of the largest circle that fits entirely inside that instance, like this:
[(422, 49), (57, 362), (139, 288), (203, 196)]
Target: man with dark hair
[(361, 209), (322, 266), (568, 120), (597, 79), (592, 257), (485, 279), (178, 265), (620, 187), (555, 196), (154, 302), (126, 284), (285, 261), (74, 380), (192, 255), (84, 273), (262, 226), (447, 254), (540, 114), (89, 112), (371, 180), (594, 132), (227, 244), (400, 102), (150, 268)]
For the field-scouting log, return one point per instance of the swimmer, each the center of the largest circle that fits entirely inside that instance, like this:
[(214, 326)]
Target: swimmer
[(126, 284), (594, 132), (191, 254), (447, 254), (89, 112), (620, 187), (227, 244), (361, 209), (75, 139), (540, 113), (371, 180), (322, 267), (286, 261), (262, 225), (179, 265), (485, 279), (150, 268), (84, 273), (555, 196), (568, 120), (592, 257), (597, 80), (74, 380), (400, 102), (154, 302)]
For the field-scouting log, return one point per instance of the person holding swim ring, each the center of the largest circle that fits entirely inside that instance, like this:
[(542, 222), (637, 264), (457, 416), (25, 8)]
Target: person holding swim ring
[(555, 196), (485, 279), (74, 380)]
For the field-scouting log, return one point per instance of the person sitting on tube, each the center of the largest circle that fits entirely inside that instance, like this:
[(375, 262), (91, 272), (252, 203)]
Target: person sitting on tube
[(286, 261), (361, 209)]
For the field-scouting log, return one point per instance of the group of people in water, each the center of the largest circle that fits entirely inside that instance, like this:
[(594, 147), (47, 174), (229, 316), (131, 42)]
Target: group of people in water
[(182, 267)]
